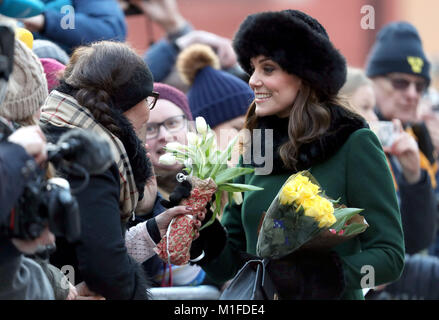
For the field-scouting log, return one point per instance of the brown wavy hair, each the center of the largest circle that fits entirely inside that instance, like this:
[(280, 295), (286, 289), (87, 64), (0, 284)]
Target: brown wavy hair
[(309, 119)]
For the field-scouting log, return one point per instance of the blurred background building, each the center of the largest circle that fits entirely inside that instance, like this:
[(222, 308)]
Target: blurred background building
[(342, 19)]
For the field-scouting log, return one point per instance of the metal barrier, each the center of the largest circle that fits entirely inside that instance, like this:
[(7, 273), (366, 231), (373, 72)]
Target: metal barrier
[(203, 292)]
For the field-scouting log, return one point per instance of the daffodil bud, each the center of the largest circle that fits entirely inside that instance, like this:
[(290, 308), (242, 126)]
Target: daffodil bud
[(201, 125), (167, 159)]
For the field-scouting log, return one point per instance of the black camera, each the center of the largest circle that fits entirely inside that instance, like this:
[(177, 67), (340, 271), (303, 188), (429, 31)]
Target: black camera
[(45, 202), (50, 202)]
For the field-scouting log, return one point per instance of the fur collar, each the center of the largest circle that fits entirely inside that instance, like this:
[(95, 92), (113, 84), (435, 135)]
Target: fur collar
[(343, 124)]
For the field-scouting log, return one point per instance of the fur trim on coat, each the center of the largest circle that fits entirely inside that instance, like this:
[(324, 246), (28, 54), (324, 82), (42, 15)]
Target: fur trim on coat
[(343, 124)]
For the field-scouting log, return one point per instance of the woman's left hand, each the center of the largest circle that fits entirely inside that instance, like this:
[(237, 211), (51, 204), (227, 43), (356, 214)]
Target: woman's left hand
[(164, 218)]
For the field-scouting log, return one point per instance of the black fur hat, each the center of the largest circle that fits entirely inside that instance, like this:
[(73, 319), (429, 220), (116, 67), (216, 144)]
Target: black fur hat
[(298, 43)]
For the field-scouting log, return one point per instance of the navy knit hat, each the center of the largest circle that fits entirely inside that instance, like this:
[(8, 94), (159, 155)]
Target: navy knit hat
[(398, 48), (215, 95)]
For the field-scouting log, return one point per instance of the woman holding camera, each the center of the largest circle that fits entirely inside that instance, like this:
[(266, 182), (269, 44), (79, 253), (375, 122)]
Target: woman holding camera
[(296, 73), (108, 89)]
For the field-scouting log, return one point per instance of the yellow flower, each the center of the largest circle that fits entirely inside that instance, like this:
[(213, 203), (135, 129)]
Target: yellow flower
[(321, 209), (313, 212), (305, 194), (326, 206), (288, 194), (299, 190), (327, 221)]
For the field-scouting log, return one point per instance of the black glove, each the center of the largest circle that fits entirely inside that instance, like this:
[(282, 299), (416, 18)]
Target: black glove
[(181, 191), (308, 275), (211, 241)]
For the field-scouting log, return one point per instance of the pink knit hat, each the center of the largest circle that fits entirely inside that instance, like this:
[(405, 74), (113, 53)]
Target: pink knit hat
[(174, 95), (52, 69)]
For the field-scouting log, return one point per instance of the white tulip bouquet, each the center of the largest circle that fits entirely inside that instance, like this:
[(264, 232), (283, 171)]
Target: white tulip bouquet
[(209, 174)]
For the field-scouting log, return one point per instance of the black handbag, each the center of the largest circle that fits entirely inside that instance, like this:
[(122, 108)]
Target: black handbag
[(252, 282)]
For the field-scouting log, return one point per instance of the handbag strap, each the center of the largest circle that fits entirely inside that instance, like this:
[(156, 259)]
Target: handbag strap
[(263, 279)]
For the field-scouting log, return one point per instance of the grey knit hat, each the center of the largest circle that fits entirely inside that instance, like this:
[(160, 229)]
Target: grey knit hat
[(27, 86), (48, 49)]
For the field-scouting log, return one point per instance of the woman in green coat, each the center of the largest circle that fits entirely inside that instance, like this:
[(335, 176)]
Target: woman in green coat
[(296, 73)]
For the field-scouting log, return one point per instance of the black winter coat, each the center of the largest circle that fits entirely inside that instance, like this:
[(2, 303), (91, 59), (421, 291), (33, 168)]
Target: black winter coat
[(100, 257)]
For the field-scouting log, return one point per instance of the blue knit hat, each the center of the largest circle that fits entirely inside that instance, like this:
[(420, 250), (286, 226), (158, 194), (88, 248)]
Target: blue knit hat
[(215, 95), (398, 48)]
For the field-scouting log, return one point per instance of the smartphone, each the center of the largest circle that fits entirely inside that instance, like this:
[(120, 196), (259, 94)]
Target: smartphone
[(385, 131)]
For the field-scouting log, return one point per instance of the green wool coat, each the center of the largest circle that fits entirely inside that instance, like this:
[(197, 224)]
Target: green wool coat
[(358, 173)]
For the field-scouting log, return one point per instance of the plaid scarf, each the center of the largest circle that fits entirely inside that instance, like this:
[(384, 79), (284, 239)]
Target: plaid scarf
[(62, 110)]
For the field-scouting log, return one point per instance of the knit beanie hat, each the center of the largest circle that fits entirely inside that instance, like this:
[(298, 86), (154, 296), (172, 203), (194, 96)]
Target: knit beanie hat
[(215, 95), (298, 43), (52, 69), (27, 86), (48, 49), (398, 48), (174, 95)]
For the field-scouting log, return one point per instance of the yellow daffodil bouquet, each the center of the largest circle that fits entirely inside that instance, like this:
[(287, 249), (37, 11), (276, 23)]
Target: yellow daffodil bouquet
[(208, 172), (302, 216)]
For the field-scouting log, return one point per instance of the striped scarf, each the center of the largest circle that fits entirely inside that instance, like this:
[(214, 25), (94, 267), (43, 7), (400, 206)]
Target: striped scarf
[(62, 110)]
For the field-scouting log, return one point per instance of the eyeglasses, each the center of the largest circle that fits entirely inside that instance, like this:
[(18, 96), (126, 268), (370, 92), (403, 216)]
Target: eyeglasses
[(151, 100), (402, 84), (172, 124)]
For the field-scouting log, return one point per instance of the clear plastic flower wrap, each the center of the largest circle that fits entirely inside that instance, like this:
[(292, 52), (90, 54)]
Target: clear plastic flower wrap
[(301, 216)]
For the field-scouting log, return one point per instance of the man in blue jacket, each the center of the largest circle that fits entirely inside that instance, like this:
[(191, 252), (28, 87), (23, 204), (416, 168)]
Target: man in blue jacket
[(90, 21)]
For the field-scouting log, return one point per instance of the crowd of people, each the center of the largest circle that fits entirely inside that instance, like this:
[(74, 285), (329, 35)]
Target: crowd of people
[(368, 136)]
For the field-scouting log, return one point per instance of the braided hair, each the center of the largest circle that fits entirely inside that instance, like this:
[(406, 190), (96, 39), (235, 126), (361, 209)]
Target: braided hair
[(109, 78)]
